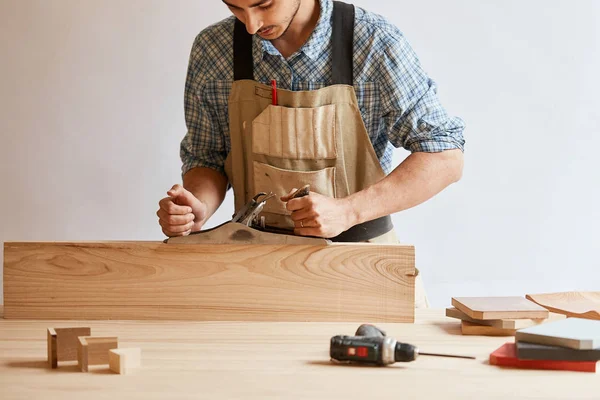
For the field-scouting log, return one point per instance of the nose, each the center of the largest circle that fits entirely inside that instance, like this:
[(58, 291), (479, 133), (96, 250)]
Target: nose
[(253, 23)]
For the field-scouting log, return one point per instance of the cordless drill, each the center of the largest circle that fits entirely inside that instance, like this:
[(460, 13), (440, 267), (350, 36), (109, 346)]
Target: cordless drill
[(370, 345)]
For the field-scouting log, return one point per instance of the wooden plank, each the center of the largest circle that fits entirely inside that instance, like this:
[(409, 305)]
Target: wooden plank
[(574, 333), (469, 328), (154, 280), (503, 323), (573, 304), (499, 307)]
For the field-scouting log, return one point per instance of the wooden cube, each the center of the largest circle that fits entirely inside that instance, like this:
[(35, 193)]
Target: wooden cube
[(63, 343), (122, 360), (94, 350)]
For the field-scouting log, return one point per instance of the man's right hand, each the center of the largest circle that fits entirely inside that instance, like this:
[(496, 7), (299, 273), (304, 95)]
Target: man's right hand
[(181, 212)]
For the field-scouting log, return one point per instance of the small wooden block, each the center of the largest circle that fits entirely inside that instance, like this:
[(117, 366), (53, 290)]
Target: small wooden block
[(499, 308), (122, 360), (94, 350), (63, 343), (503, 323), (469, 328)]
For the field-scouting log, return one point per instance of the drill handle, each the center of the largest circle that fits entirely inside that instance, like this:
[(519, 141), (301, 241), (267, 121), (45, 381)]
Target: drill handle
[(369, 330)]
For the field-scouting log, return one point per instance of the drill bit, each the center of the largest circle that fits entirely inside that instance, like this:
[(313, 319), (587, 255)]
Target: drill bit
[(447, 355)]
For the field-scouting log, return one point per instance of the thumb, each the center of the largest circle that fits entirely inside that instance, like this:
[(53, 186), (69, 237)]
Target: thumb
[(286, 197), (181, 196)]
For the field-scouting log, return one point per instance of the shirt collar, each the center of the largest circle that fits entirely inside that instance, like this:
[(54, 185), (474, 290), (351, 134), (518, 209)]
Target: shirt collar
[(314, 45)]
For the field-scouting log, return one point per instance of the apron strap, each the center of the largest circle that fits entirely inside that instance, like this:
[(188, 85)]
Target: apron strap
[(342, 40), (243, 62), (342, 47)]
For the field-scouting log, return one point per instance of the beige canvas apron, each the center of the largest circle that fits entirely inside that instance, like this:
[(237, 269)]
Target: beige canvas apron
[(310, 137)]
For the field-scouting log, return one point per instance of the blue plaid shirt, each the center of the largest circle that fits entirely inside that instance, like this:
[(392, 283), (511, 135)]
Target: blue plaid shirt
[(397, 99)]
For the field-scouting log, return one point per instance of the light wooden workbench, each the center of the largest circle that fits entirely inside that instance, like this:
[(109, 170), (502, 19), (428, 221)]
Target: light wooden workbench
[(228, 360)]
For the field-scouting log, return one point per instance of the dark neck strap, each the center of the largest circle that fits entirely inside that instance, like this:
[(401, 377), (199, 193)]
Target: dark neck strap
[(342, 39), (243, 62)]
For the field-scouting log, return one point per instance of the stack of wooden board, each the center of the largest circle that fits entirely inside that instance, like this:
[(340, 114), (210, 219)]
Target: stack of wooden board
[(570, 344), (498, 316)]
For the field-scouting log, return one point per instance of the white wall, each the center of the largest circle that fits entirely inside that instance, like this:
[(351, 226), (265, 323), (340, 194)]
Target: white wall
[(91, 115)]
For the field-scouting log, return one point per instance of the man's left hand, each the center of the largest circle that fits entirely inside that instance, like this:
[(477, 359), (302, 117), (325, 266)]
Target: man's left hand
[(320, 216)]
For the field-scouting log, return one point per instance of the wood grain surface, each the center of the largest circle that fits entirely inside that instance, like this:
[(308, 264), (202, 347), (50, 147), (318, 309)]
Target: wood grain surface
[(154, 281), (274, 360), (573, 304)]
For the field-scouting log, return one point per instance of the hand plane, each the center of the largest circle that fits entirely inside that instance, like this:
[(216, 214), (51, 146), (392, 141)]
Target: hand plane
[(247, 227)]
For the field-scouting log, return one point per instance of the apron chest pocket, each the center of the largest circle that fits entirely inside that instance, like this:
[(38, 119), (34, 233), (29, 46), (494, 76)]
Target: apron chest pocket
[(296, 133)]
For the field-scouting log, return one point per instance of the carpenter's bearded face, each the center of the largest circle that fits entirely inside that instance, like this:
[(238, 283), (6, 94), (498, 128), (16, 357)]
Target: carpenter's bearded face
[(269, 19)]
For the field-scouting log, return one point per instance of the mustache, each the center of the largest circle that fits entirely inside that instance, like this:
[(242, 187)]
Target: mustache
[(266, 29)]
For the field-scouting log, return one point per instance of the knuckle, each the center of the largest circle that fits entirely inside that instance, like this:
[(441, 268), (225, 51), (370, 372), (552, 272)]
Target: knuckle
[(174, 229)]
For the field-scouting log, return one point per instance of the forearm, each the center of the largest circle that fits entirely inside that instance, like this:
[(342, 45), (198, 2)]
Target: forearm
[(417, 179), (208, 185)]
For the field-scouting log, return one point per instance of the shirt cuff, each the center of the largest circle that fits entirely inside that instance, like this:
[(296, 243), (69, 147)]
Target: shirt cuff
[(435, 146)]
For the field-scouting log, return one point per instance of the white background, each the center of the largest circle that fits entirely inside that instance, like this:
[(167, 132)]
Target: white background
[(91, 116)]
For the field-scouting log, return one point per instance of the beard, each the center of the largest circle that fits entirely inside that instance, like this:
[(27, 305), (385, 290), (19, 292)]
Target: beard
[(290, 19)]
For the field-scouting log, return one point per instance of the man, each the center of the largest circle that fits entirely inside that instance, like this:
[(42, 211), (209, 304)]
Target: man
[(349, 89)]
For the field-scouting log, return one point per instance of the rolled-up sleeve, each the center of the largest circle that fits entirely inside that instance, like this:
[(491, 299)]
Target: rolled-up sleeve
[(412, 114), (204, 143)]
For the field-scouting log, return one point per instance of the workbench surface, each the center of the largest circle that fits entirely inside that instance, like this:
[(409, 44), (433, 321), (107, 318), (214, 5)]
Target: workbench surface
[(229, 360)]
